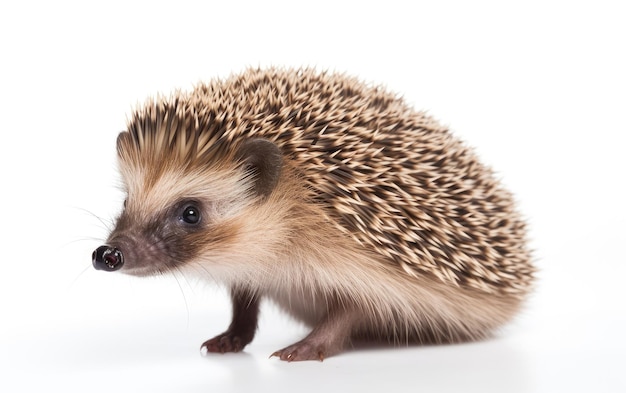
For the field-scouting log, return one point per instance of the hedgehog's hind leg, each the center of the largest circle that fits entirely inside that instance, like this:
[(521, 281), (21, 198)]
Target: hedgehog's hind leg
[(242, 327), (329, 337)]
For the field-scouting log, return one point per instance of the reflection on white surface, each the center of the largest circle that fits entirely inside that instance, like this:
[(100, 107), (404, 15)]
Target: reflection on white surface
[(160, 354)]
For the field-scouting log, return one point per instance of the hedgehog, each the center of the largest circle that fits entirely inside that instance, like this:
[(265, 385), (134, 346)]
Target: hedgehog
[(354, 213)]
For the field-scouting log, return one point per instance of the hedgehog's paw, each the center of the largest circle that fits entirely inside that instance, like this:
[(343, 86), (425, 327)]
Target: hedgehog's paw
[(326, 339), (303, 350), (225, 342)]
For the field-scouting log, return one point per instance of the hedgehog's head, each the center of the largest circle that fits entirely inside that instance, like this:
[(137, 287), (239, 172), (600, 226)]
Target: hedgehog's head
[(188, 187)]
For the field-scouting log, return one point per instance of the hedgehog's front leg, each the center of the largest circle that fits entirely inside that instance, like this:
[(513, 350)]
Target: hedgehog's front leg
[(329, 337), (242, 327)]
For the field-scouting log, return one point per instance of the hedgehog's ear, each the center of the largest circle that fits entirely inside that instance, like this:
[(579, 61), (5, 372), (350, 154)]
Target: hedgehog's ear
[(122, 137), (264, 160)]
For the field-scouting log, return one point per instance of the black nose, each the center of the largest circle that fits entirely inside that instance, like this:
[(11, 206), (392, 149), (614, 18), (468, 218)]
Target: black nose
[(107, 258)]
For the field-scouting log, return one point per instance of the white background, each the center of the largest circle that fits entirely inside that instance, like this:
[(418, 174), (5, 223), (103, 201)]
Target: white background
[(539, 89)]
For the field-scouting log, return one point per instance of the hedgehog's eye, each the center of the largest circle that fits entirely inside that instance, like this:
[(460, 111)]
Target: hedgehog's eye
[(191, 215)]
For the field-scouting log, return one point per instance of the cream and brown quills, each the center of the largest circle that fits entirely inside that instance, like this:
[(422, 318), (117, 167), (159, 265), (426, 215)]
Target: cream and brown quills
[(353, 212)]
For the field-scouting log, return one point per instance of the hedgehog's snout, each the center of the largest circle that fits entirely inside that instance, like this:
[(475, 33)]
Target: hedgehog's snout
[(107, 258)]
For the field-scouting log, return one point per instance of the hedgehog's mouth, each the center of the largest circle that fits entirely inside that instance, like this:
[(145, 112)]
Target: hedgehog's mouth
[(143, 271)]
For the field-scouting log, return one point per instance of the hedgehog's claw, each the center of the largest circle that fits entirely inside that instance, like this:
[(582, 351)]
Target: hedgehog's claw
[(300, 351)]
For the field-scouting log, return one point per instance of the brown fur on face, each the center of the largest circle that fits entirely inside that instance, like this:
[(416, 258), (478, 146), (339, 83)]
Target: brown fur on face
[(353, 212)]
